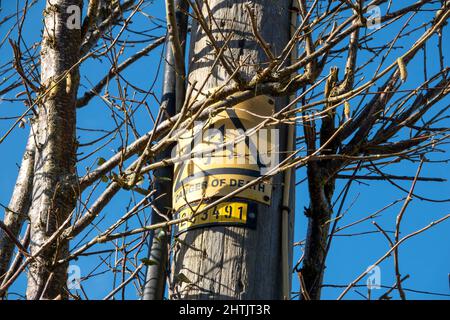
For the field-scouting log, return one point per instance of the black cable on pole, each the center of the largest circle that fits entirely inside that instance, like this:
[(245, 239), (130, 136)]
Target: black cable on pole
[(173, 92)]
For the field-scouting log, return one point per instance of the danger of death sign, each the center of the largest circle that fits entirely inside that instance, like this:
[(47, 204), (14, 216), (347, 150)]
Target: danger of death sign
[(226, 153)]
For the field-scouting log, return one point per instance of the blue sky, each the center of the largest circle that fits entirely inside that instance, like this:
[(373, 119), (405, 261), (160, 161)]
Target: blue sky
[(426, 258)]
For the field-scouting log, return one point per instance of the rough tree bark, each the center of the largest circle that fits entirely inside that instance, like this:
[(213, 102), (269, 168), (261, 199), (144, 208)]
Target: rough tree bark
[(233, 262), (321, 189), (54, 185), (322, 180)]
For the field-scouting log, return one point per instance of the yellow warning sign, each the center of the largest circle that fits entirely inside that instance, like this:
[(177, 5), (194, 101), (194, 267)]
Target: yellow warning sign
[(225, 153)]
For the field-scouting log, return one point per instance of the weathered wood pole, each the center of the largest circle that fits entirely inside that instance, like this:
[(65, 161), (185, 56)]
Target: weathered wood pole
[(229, 262)]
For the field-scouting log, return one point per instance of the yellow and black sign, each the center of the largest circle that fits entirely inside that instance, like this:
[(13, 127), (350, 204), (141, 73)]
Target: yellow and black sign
[(226, 213), (224, 154)]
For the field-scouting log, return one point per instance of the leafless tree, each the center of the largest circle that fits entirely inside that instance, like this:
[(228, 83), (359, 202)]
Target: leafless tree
[(358, 105)]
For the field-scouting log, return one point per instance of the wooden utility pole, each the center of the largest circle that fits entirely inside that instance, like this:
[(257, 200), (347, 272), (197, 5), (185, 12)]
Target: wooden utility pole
[(230, 262)]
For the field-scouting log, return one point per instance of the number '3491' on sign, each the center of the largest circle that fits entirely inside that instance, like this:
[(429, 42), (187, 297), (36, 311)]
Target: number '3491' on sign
[(226, 213)]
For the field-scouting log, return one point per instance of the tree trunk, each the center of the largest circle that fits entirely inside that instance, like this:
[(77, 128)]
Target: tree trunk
[(18, 207), (321, 189), (225, 262), (54, 186)]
